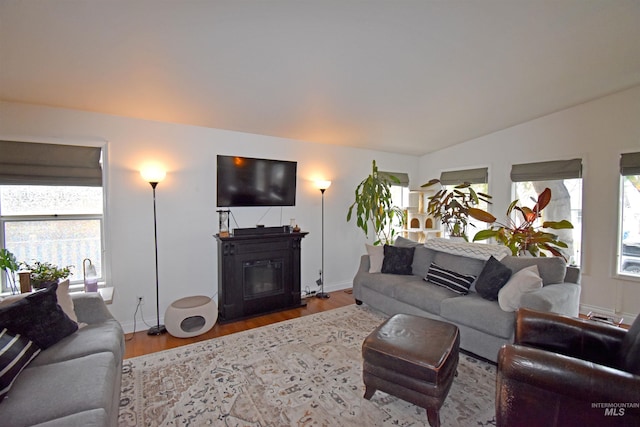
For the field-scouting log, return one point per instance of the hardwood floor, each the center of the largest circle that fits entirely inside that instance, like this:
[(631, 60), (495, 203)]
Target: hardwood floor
[(140, 343)]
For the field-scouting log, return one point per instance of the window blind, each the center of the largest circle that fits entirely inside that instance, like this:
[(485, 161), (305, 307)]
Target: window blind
[(547, 171), (473, 176), (401, 176), (30, 163), (630, 164)]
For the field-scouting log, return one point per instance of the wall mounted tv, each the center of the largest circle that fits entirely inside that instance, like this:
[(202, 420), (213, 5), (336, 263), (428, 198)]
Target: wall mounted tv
[(245, 181)]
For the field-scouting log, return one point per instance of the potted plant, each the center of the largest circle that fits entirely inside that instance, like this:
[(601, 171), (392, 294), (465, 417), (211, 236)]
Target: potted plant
[(43, 274), (374, 207), (9, 265), (454, 207), (525, 237)]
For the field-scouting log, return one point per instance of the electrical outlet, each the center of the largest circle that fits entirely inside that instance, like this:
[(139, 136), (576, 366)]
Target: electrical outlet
[(140, 300)]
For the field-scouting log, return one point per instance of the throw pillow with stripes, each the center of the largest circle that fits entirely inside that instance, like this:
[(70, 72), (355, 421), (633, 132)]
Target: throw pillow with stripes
[(456, 282), (16, 352)]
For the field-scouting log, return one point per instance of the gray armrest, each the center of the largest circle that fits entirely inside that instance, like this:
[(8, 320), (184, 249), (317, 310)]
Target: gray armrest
[(365, 264), (561, 298), (90, 308)]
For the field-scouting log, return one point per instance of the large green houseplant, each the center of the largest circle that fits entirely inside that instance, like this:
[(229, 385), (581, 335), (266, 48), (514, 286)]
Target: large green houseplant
[(525, 235), (454, 207), (374, 208)]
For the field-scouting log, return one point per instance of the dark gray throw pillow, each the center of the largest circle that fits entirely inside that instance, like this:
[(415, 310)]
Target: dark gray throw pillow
[(492, 278), (39, 318), (397, 260)]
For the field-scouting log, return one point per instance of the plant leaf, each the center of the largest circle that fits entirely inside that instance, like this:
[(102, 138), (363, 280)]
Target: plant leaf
[(557, 225), (481, 215)]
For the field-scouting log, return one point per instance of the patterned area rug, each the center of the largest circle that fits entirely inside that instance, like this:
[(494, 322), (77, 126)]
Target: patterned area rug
[(301, 372)]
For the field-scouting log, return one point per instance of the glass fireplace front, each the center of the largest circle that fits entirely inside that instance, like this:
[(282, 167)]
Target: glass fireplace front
[(262, 278)]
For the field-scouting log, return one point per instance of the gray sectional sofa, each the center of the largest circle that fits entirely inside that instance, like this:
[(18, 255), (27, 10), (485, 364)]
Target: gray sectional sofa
[(484, 325), (76, 381)]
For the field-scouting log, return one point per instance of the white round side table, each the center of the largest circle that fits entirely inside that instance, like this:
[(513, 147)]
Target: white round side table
[(191, 316)]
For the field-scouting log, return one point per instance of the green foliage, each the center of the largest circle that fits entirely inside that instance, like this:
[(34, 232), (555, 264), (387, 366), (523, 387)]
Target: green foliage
[(43, 273), (454, 207), (373, 207), (9, 265), (524, 236)]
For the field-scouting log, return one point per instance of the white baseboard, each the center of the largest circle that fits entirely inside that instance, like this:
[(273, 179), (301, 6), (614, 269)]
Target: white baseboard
[(141, 326)]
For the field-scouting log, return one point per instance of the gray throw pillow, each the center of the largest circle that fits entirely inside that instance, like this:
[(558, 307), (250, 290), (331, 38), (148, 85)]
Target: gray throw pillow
[(492, 278)]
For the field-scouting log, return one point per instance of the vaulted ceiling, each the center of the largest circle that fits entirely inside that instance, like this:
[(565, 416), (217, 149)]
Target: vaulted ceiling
[(402, 76)]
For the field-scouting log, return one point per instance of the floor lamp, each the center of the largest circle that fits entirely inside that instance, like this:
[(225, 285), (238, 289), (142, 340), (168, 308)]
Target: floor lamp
[(322, 186), (153, 177)]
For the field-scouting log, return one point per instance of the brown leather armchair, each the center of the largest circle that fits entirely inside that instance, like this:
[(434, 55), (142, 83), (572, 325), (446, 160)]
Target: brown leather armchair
[(563, 371)]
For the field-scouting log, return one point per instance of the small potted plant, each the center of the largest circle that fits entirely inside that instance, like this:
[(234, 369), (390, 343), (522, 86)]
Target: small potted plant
[(525, 237), (454, 207), (10, 266), (44, 274)]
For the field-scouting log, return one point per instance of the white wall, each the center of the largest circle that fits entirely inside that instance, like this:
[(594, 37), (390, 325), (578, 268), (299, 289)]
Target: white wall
[(598, 132), (187, 218)]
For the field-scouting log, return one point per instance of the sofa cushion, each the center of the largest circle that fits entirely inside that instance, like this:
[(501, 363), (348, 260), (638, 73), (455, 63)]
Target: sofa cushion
[(385, 284), (397, 260), (60, 390), (459, 264), (93, 417), (423, 295), (456, 282), (38, 317), (551, 269), (16, 352), (478, 313), (492, 278), (521, 282), (93, 338), (376, 256)]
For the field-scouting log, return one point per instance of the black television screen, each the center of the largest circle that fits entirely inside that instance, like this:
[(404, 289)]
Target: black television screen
[(245, 181)]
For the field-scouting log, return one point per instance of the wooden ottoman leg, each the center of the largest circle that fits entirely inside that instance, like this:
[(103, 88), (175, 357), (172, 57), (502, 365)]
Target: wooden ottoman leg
[(433, 415)]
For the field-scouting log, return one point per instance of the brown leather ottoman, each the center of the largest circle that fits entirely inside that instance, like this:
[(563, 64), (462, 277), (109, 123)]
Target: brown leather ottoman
[(413, 358)]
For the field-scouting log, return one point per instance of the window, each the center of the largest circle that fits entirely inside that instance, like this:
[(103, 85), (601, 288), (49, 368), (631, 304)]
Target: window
[(399, 192), (564, 179), (51, 205), (629, 249), (479, 179)]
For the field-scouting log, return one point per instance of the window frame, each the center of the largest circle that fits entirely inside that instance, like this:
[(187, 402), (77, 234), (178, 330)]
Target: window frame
[(625, 166), (104, 241)]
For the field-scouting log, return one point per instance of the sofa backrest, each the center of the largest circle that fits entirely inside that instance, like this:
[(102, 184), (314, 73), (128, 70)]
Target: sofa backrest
[(551, 269)]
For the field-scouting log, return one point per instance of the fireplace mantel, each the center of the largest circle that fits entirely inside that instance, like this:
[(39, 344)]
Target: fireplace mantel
[(258, 273)]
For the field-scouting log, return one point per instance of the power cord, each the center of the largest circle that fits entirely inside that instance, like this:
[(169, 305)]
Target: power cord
[(138, 307)]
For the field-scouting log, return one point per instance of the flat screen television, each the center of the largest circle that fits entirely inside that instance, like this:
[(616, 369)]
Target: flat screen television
[(246, 181)]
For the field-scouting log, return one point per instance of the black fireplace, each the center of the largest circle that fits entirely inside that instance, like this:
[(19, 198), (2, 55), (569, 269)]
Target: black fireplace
[(258, 274)]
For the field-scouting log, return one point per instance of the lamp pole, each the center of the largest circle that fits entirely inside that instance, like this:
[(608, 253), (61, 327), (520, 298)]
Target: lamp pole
[(153, 175), (158, 329), (322, 185)]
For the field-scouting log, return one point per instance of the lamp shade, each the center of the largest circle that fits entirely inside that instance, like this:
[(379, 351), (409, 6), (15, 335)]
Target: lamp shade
[(323, 185), (153, 174)]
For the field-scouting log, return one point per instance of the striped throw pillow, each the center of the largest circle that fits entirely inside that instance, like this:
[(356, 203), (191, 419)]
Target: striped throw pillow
[(16, 352), (456, 282)]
